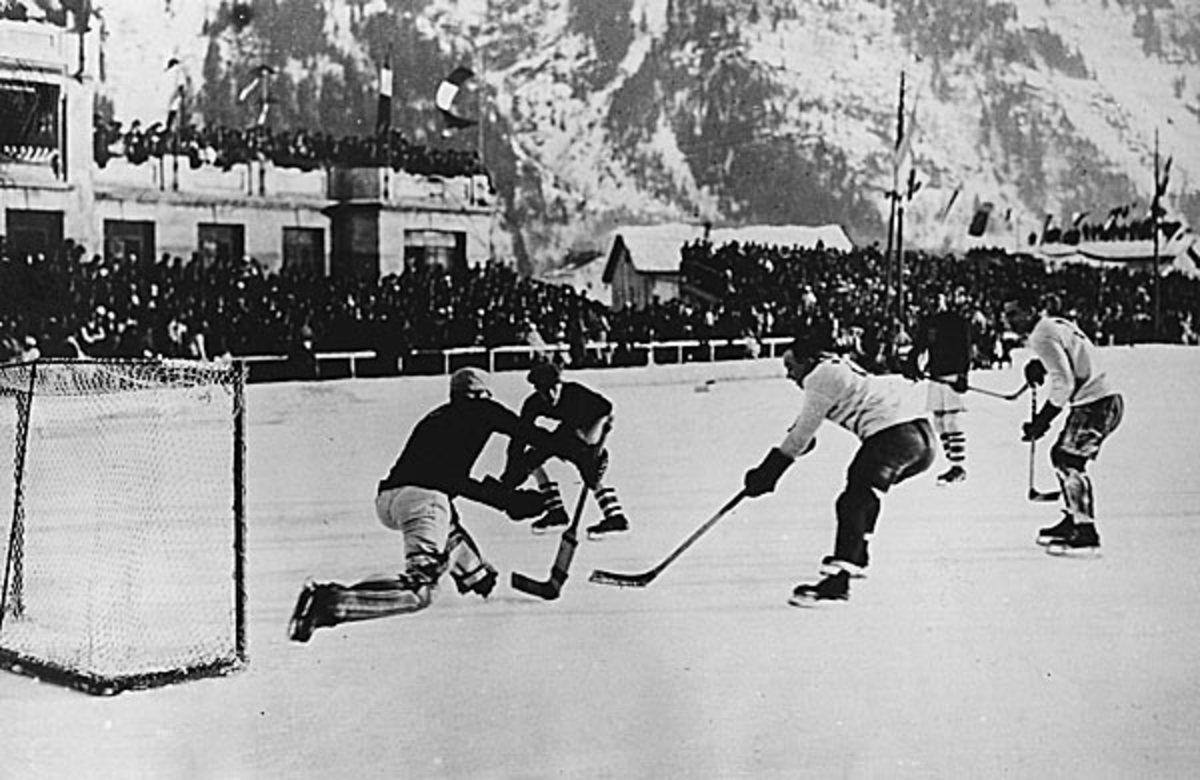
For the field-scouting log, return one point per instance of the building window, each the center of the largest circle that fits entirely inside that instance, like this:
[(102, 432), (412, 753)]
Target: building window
[(444, 248), (32, 232), (304, 251), (129, 240), (218, 243), (30, 125)]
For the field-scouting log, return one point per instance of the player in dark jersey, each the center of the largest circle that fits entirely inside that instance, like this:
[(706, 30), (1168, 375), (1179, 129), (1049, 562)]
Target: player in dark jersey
[(944, 339), (417, 498), (583, 415)]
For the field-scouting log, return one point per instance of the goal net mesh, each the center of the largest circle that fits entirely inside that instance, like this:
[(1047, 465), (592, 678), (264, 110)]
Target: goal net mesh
[(123, 527)]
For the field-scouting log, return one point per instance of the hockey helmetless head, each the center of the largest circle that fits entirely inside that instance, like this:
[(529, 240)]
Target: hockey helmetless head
[(806, 349), (469, 382), (544, 375)]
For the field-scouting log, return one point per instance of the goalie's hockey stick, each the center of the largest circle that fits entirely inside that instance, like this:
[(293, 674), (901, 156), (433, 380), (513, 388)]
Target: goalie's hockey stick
[(550, 588), (645, 578), (1014, 395), (1034, 493)]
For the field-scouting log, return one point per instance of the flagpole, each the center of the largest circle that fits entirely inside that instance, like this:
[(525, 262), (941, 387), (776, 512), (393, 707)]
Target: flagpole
[(898, 211), (1154, 228)]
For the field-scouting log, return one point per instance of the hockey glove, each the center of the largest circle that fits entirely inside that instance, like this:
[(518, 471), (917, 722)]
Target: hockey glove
[(1035, 372), (910, 370), (488, 491), (762, 478), (959, 385), (1037, 427), (524, 504)]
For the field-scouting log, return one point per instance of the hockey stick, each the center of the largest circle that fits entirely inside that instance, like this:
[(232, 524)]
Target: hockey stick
[(983, 391), (550, 588), (1034, 493), (645, 578)]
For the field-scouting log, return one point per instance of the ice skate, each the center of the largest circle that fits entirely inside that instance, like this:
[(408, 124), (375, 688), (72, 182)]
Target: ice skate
[(1081, 540), (955, 473), (613, 524), (833, 587), (481, 582), (555, 518), (1060, 530), (311, 611)]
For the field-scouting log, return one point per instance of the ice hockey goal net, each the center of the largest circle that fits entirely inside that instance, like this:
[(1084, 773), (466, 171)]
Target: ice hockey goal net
[(123, 528)]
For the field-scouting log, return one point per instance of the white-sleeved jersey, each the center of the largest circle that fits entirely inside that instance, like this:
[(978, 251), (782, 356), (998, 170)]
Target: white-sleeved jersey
[(839, 390), (1071, 372)]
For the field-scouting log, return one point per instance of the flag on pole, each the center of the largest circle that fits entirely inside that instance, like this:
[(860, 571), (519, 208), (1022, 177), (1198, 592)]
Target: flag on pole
[(175, 103), (906, 133), (1161, 180), (248, 90), (979, 222), (383, 110), (447, 91)]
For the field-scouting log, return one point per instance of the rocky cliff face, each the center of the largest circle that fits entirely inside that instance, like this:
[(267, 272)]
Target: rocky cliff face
[(594, 114)]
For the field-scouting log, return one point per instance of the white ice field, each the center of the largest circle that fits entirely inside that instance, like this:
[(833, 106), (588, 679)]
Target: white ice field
[(968, 652)]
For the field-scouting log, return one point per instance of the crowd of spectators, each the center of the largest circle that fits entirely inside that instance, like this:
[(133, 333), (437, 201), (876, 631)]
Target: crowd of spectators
[(225, 147), (67, 304), (1116, 228)]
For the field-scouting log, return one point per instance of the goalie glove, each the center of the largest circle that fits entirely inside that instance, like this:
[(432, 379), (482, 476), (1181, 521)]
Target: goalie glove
[(1037, 427), (524, 504), (762, 478), (517, 504)]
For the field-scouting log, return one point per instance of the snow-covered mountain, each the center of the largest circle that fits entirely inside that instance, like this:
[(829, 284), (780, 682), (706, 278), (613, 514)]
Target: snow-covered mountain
[(602, 112)]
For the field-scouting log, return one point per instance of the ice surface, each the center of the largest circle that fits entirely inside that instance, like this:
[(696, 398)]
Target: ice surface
[(967, 652)]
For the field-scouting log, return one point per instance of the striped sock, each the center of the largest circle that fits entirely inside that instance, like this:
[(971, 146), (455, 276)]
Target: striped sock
[(552, 496), (610, 505), (954, 443)]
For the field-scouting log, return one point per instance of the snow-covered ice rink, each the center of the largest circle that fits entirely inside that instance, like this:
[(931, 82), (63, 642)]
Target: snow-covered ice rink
[(968, 652)]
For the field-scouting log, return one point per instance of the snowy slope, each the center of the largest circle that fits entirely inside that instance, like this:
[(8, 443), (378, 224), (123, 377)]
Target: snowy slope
[(1022, 130)]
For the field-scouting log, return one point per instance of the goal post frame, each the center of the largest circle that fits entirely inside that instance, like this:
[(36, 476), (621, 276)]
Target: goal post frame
[(12, 602)]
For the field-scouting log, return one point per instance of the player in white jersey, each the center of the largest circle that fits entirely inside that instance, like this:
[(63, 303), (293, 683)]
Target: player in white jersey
[(1065, 359), (886, 413)]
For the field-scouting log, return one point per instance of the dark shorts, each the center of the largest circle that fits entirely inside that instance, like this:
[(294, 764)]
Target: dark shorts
[(893, 455), (1089, 425)]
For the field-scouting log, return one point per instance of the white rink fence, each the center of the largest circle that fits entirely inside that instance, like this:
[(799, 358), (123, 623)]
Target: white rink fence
[(511, 357)]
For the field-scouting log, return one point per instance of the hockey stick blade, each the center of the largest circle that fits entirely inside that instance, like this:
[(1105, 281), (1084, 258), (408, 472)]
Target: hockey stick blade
[(547, 591), (1037, 495), (601, 577), (643, 579)]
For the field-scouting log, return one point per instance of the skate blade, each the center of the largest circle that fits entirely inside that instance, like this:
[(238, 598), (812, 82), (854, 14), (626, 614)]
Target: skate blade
[(593, 537), (1062, 551), (809, 602)]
